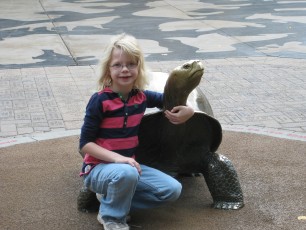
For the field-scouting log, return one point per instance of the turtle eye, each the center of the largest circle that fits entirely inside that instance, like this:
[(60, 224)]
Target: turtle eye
[(186, 66)]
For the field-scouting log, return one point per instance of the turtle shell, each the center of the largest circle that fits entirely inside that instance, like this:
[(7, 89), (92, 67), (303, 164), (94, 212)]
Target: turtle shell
[(183, 148)]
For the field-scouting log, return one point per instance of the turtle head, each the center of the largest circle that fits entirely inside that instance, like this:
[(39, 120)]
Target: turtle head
[(182, 80)]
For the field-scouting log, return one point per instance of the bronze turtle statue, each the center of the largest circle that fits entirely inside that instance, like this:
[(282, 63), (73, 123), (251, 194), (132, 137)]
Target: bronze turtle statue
[(185, 149), (189, 148)]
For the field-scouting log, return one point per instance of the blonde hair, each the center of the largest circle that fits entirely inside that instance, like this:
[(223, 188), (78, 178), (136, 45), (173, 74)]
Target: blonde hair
[(129, 45)]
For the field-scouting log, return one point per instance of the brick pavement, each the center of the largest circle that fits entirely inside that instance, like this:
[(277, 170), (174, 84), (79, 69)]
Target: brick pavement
[(263, 95)]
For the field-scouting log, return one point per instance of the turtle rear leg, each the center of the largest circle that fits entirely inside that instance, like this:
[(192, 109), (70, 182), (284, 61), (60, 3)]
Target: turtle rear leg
[(87, 201), (223, 184)]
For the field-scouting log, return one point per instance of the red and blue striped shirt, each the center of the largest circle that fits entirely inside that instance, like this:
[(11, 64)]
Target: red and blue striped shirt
[(113, 123)]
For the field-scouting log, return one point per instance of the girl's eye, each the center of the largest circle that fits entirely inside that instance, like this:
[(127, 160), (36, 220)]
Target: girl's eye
[(132, 65), (117, 65)]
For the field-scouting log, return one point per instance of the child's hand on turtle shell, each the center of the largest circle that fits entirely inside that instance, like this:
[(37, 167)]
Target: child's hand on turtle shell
[(179, 114)]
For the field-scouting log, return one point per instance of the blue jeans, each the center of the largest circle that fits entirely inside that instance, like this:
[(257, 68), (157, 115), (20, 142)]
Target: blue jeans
[(123, 189)]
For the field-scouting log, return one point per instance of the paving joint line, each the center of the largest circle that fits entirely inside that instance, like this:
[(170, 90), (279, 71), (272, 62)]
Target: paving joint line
[(59, 34)]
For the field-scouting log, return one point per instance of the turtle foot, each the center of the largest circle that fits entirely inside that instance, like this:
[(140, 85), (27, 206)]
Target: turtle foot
[(227, 205), (87, 201)]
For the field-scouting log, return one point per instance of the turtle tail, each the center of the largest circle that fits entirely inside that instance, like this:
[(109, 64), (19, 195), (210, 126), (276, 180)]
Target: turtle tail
[(223, 184)]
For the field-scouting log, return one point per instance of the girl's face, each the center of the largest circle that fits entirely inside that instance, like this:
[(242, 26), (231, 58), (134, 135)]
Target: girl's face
[(123, 71)]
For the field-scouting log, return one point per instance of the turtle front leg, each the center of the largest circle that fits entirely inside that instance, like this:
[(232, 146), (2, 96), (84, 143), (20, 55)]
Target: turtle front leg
[(222, 181)]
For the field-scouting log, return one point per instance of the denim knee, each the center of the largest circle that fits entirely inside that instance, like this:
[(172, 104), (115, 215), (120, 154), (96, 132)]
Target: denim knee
[(130, 174), (100, 177), (174, 191)]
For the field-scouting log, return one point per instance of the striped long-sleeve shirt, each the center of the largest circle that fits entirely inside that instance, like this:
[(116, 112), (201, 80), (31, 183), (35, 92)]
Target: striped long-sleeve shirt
[(113, 123)]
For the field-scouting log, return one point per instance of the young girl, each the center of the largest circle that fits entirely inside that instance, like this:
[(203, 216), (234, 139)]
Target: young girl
[(109, 137)]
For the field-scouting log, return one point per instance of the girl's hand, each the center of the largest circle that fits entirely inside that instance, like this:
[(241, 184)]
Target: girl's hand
[(179, 114), (130, 161), (106, 155)]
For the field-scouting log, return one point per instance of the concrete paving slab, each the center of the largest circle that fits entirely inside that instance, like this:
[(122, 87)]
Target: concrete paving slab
[(64, 32)]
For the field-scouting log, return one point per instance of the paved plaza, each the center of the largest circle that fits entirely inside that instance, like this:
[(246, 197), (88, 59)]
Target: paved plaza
[(254, 54)]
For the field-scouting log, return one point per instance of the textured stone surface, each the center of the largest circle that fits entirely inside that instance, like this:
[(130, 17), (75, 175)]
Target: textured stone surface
[(253, 51)]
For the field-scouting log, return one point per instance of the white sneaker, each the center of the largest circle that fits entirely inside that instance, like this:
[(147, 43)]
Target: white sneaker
[(112, 224), (99, 197)]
